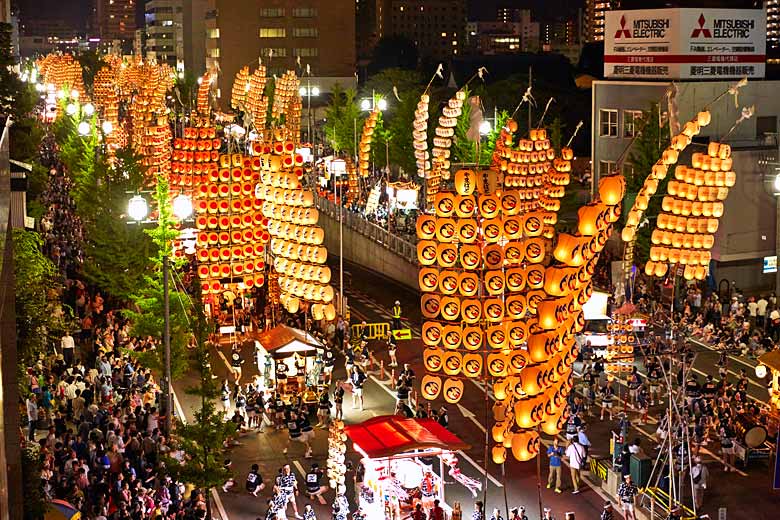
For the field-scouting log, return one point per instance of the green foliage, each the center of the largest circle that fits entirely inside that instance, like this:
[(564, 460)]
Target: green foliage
[(34, 499), (39, 316), (91, 62), (116, 254), (147, 318), (202, 440), (646, 150), (343, 117), (382, 83), (556, 133)]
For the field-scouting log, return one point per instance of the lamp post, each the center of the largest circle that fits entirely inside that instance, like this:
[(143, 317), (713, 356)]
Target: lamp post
[(137, 210), (338, 167), (308, 91)]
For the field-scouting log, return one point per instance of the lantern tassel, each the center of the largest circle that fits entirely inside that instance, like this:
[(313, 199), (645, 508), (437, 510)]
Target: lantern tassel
[(576, 129), (747, 113), (547, 107)]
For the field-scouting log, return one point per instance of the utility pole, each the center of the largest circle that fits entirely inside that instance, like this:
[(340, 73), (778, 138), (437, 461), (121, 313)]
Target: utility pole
[(167, 346)]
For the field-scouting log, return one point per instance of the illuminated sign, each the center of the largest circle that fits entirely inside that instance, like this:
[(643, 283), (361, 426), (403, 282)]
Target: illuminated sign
[(685, 43)]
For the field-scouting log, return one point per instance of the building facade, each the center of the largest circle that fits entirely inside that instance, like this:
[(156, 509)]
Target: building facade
[(747, 229), (318, 34), (437, 27), (772, 8), (114, 19), (594, 18), (164, 27)]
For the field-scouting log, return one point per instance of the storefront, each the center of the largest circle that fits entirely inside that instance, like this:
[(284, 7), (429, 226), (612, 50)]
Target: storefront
[(403, 460)]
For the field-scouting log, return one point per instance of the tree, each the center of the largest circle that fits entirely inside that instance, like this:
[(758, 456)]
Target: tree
[(91, 62), (147, 318), (647, 148), (383, 82), (202, 440), (39, 316), (394, 52), (343, 120), (116, 254)]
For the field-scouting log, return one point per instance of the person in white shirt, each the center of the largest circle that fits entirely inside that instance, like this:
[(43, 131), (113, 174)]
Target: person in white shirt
[(752, 308), (68, 348), (576, 454), (32, 415), (699, 474), (761, 306)]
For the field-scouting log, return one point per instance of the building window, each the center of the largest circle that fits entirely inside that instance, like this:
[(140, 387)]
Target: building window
[(272, 32), (304, 12), (305, 32), (213, 33), (608, 122), (628, 170), (214, 53), (631, 119), (766, 125), (278, 52), (605, 168), (306, 52), (271, 12)]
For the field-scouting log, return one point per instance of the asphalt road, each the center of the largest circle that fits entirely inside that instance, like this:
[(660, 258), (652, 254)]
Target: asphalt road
[(370, 298)]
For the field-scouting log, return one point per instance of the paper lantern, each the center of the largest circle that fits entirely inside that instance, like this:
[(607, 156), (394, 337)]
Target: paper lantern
[(515, 279), (433, 359), (465, 206), (489, 206), (525, 445), (472, 365), (493, 309), (445, 230), (453, 390), (448, 282), (430, 305), (498, 454), (468, 284), (497, 364), (494, 256), (466, 231), (465, 182), (451, 336), (494, 282), (426, 252), (472, 338), (471, 311), (431, 333), (430, 387), (496, 336), (444, 204)]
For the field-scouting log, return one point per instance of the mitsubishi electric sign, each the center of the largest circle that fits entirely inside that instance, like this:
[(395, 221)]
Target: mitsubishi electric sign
[(685, 44)]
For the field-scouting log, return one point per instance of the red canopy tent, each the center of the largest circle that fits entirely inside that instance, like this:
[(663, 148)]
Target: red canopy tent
[(389, 435)]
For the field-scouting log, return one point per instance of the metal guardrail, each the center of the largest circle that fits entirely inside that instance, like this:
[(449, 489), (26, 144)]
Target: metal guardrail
[(353, 221)]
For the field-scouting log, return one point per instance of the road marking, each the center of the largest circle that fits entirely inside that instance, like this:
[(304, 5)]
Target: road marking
[(177, 405), (466, 413), (481, 470), (299, 467), (218, 503)]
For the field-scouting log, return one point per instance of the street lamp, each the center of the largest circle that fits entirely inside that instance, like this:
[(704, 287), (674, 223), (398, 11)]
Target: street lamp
[(365, 104), (368, 105), (107, 127), (137, 209), (71, 109), (89, 109), (83, 129), (484, 127), (308, 92), (182, 206)]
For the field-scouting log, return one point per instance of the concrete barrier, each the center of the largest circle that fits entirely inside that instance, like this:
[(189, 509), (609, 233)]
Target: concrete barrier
[(369, 249)]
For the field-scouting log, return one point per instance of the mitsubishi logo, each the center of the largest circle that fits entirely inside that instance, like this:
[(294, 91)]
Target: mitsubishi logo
[(701, 30), (622, 32)]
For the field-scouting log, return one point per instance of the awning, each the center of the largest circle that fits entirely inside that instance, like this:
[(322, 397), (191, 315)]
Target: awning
[(389, 435), (771, 359), (281, 341)]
